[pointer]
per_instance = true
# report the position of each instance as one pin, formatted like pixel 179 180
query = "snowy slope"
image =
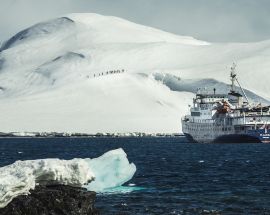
pixel 57 75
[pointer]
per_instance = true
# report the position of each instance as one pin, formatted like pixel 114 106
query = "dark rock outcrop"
pixel 53 200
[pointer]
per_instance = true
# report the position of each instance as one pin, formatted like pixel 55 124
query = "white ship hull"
pixel 213 132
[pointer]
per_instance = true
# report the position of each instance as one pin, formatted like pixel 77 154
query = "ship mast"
pixel 233 79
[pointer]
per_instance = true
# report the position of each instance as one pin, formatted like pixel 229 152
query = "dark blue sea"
pixel 173 176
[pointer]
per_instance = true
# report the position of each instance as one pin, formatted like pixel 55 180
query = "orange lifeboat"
pixel 224 108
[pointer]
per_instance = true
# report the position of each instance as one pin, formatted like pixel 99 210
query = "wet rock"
pixel 53 200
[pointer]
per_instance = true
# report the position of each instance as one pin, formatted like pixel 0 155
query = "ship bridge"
pixel 210 98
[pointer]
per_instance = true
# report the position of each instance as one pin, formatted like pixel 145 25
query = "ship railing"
pixel 251 120
pixel 192 120
pixel 252 116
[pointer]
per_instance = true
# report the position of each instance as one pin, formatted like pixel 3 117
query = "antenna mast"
pixel 233 79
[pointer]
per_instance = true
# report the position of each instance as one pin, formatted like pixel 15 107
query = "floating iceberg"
pixel 110 170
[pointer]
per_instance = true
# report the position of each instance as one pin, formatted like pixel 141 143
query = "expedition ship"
pixel 226 118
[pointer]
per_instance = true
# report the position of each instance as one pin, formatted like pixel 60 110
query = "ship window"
pixel 195 114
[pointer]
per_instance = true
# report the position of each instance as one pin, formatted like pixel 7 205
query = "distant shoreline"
pixel 85 135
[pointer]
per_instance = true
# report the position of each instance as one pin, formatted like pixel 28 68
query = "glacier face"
pixel 57 75
pixel 110 170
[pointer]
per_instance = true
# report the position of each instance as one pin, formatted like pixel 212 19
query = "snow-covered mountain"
pixel 93 73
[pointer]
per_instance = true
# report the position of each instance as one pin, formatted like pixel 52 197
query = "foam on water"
pixel 122 190
pixel 110 170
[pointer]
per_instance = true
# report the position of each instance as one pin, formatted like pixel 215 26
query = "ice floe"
pixel 110 170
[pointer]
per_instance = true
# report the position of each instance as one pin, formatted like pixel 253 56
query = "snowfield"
pixel 92 73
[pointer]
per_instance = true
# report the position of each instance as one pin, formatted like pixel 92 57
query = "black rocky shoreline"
pixel 53 200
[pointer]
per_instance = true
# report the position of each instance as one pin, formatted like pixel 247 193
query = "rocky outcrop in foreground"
pixel 53 200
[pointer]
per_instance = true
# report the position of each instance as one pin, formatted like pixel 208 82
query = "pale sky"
pixel 210 20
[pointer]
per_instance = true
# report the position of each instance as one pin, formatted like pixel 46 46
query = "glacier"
pixel 54 75
pixel 108 171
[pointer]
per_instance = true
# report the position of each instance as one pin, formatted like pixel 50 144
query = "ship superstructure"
pixel 226 117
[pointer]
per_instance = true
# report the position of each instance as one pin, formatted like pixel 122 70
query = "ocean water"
pixel 173 176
